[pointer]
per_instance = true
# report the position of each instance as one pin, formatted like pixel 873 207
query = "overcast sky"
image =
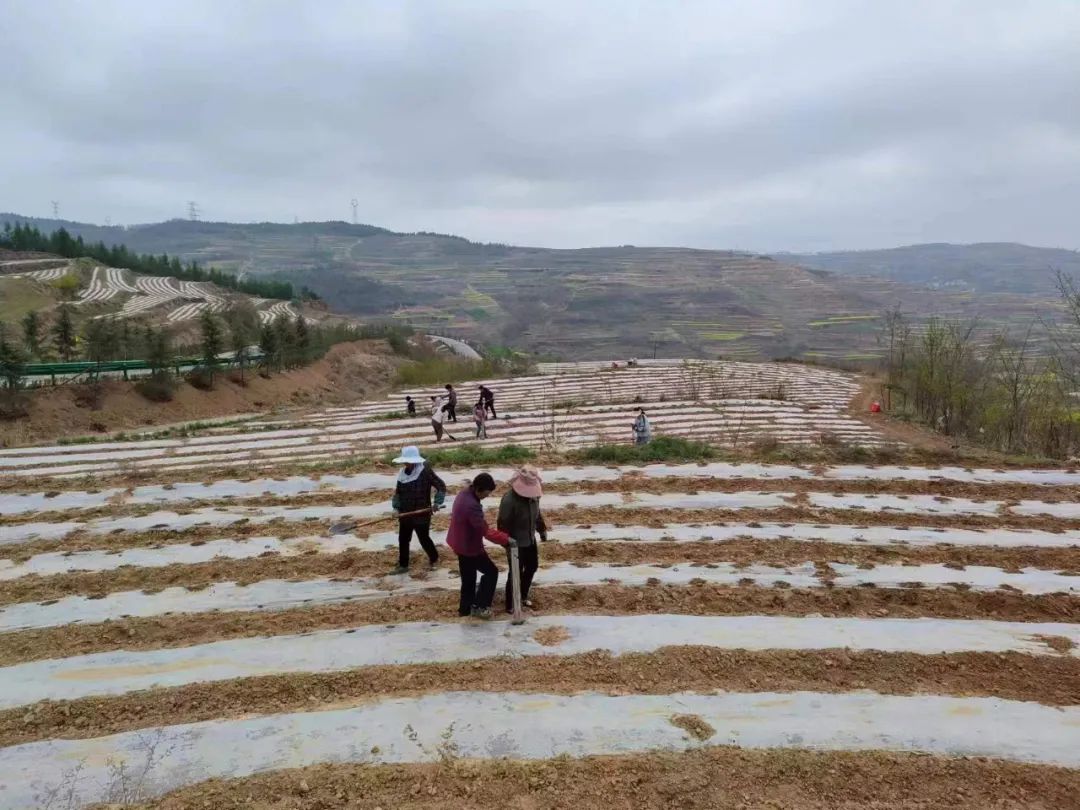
pixel 761 125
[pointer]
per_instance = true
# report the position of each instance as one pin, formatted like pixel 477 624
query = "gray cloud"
pixel 771 125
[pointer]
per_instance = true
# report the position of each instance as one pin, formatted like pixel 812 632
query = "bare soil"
pixel 609 599
pixel 348 372
pixel 716 778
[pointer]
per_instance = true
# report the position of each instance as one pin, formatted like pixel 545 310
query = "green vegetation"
pixel 61 243
pixel 441 370
pixel 471 455
pixel 19 296
pixel 662 448
pixel 721 335
pixel 1000 393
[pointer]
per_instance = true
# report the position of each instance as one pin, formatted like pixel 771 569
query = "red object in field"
pixel 875 407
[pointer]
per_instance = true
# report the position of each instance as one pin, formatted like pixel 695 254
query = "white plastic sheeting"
pixel 292 486
pixel 115 673
pixel 539 726
pixel 63 562
pixel 282 595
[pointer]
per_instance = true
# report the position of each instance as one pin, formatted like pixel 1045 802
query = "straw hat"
pixel 410 455
pixel 526 482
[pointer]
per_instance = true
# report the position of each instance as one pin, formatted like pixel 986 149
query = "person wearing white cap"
pixel 412 493
pixel 519 517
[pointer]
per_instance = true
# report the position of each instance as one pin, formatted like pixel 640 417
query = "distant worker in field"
pixel 438 416
pixel 468 530
pixel 451 402
pixel 487 399
pixel 519 517
pixel 413 505
pixel 480 417
pixel 642 428
pixel 410 406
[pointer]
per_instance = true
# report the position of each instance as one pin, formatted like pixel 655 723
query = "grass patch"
pixel 441 370
pixel 19 296
pixel 662 448
pixel 470 455
pixel 393 416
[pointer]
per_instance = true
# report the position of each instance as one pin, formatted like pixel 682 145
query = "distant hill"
pixel 982 267
pixel 579 304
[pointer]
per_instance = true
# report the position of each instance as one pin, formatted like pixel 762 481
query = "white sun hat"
pixel 410 455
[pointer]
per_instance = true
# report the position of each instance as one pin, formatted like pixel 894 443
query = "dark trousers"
pixel 489 406
pixel 438 428
pixel 528 562
pixel 404 539
pixel 451 411
pixel 471 596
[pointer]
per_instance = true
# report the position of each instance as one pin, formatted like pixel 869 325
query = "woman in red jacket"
pixel 468 530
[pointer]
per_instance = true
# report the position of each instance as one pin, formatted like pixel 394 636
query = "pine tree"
pixel 159 352
pixel 12 360
pixel 269 346
pixel 210 342
pixel 102 340
pixel 64 333
pixel 286 339
pixel 31 325
pixel 303 340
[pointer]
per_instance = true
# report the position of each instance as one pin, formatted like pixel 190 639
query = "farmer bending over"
pixel 468 530
pixel 412 504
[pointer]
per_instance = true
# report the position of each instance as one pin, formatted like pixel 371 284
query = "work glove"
pixel 543 537
pixel 513 543
pixel 396 512
pixel 440 499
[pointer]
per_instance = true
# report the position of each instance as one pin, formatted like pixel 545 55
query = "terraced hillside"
pixel 96 291
pixel 704 635
pixel 591 303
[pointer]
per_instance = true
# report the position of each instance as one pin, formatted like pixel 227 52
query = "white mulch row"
pixel 539 726
pixel 579 429
pixel 228 515
pixel 292 486
pixel 121 672
pixel 272 595
pixel 97 290
pixel 66 562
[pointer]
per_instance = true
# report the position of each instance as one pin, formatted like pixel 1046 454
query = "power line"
pixel 193 211
pixel 55 209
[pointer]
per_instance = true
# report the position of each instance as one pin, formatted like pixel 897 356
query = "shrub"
pixel 157 387
pixel 201 378
pixel 89 395
pixel 13 405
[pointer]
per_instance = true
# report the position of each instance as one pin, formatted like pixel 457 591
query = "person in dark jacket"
pixel 451 402
pixel 415 482
pixel 468 530
pixel 519 517
pixel 487 399
pixel 410 406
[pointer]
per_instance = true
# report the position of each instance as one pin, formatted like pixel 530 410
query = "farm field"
pixel 174 611
pixel 106 292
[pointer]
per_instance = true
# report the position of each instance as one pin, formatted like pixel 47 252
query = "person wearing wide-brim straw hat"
pixel 412 493
pixel 520 517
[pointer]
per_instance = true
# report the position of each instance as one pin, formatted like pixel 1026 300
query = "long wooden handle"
pixel 515 584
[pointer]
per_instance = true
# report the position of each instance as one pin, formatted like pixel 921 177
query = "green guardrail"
pixel 79 368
